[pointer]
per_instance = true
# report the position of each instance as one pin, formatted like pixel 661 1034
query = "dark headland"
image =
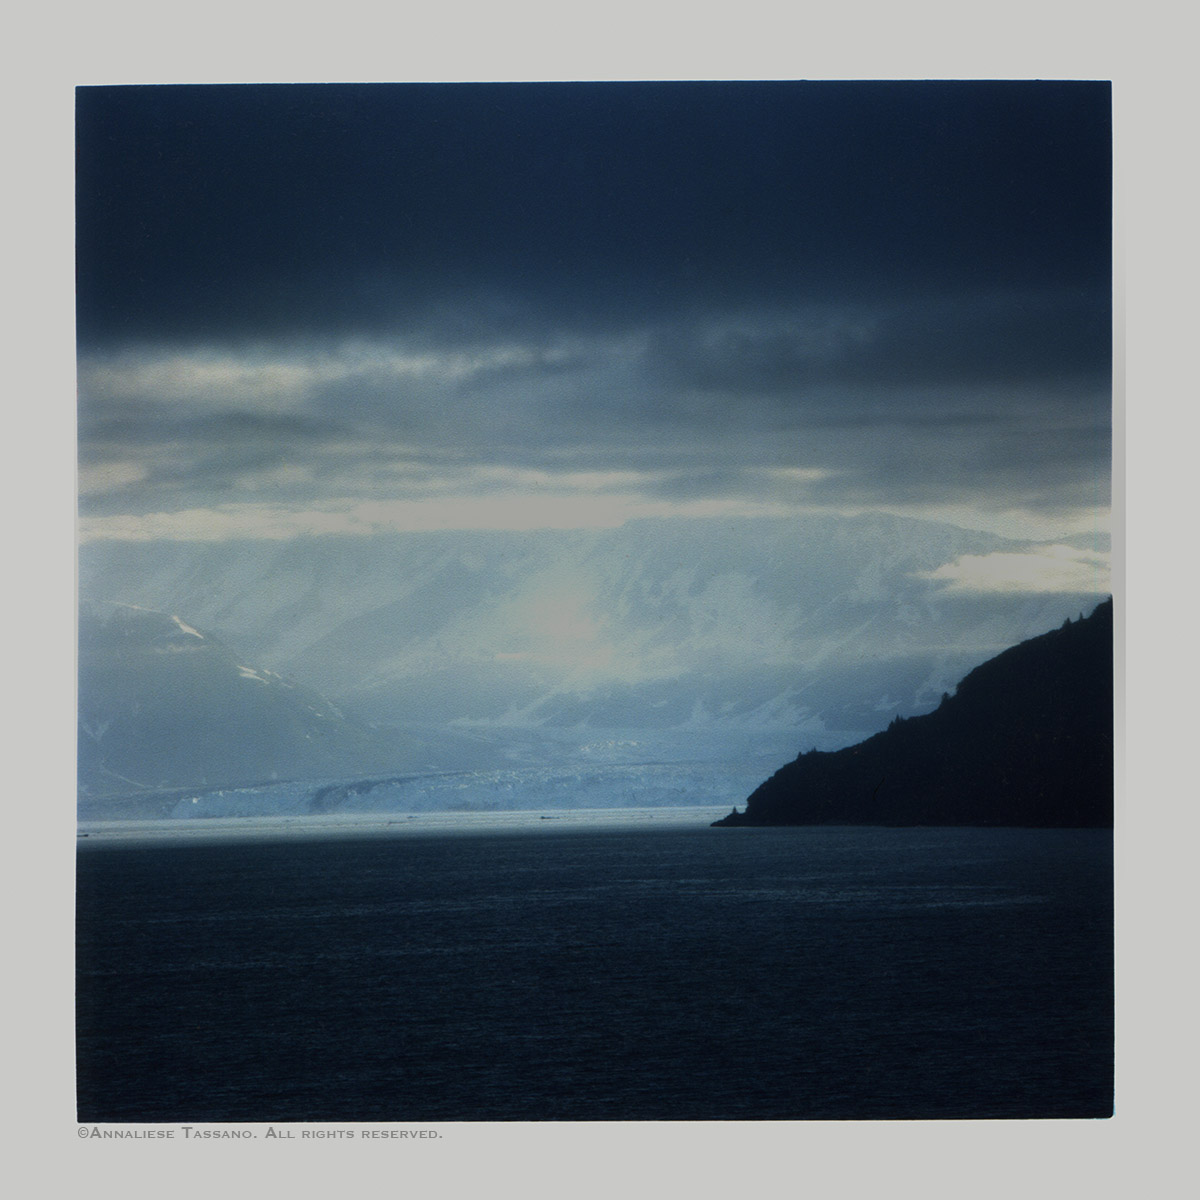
pixel 1026 740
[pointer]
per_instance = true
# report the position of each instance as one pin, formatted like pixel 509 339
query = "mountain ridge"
pixel 163 704
pixel 826 626
pixel 1026 739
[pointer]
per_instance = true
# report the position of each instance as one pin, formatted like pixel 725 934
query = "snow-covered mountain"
pixel 162 704
pixel 685 631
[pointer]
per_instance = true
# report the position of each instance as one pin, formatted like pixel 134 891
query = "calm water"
pixel 599 973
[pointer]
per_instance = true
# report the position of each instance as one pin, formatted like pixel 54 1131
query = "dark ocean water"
pixel 651 974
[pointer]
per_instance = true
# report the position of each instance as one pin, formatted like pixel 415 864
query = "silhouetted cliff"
pixel 1027 739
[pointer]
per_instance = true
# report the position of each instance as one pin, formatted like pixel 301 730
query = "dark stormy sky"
pixel 375 307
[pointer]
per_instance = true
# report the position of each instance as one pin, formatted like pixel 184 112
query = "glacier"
pixel 549 790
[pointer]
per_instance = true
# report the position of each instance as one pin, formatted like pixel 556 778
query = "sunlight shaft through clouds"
pixel 645 403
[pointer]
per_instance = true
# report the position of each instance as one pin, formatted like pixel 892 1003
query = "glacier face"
pixel 527 789
pixel 503 646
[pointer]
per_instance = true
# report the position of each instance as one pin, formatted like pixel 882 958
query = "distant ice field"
pixel 502 794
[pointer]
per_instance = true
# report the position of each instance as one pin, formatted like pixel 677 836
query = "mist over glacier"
pixel 735 640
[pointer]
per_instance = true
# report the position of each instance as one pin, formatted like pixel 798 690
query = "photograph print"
pixel 594 602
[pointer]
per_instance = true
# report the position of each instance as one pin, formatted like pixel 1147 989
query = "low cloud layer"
pixel 179 429
pixel 1044 569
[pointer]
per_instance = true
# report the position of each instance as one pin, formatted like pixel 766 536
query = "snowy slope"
pixel 826 627
pixel 162 703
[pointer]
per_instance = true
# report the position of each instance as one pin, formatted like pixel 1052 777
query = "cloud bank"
pixel 342 310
